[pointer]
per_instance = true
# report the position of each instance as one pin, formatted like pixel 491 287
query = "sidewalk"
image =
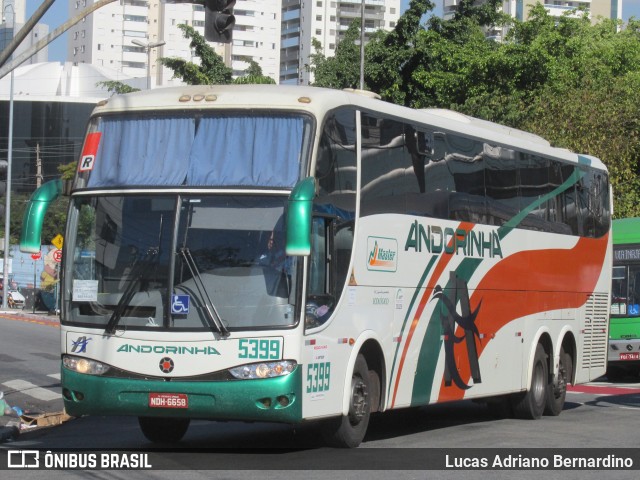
pixel 28 314
pixel 12 425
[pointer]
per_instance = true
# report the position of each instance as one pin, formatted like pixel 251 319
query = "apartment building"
pixel 326 21
pixel 274 33
pixel 118 36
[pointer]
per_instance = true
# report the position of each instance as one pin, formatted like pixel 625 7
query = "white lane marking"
pixel 54 375
pixel 32 390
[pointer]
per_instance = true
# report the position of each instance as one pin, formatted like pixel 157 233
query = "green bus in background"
pixel 624 329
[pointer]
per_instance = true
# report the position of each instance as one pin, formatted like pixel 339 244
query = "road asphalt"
pixel 11 425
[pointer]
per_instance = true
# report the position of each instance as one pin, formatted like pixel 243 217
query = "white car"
pixel 15 299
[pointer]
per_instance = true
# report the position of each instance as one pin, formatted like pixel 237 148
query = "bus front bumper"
pixel 277 399
pixel 626 351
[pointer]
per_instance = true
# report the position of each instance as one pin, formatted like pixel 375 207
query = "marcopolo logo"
pixel 166 365
pixel 383 254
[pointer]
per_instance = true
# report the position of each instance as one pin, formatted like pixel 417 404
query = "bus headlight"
pixel 263 370
pixel 84 365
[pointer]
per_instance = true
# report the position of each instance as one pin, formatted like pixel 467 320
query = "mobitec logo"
pixel 383 254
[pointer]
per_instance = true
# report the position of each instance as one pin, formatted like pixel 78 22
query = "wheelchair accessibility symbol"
pixel 180 304
pixel 634 309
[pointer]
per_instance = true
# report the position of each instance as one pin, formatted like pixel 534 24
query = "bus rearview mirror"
pixel 299 215
pixel 31 234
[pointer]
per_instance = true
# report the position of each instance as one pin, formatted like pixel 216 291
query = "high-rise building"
pixel 519 9
pixel 13 19
pixel 326 21
pixel 117 36
pixel 274 33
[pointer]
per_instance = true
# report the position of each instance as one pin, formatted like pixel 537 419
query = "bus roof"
pixel 626 230
pixel 317 101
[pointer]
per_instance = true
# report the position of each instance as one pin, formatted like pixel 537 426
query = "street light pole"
pixel 7 206
pixel 362 45
pixel 148 47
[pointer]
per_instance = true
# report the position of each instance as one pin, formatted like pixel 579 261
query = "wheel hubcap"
pixel 561 387
pixel 359 401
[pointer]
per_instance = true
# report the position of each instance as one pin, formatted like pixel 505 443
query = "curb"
pixel 34 317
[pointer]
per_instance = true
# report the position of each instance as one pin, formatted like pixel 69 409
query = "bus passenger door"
pixel 324 358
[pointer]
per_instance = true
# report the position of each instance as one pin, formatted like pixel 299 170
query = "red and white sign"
pixel 88 157
pixel 168 400
pixel 36 256
pixel 57 255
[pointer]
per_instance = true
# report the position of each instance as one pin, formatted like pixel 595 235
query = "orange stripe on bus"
pixel 544 288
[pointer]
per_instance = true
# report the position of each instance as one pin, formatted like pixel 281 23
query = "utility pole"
pixel 38 166
pixel 7 205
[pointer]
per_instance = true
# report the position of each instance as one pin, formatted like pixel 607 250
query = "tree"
pixel 389 58
pixel 343 69
pixel 253 75
pixel 116 88
pixel 211 69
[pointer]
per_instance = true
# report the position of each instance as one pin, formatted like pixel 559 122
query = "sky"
pixel 58 13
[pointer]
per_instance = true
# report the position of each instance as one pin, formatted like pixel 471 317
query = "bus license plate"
pixel 168 400
pixel 630 356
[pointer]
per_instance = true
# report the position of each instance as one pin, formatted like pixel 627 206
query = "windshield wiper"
pixel 137 274
pixel 212 315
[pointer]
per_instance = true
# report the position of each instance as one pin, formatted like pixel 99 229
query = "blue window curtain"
pixel 224 151
pixel 246 151
pixel 142 152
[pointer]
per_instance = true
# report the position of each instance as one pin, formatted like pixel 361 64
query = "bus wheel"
pixel 530 405
pixel 163 430
pixel 557 392
pixel 348 431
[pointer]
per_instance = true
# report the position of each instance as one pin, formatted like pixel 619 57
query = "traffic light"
pixel 219 20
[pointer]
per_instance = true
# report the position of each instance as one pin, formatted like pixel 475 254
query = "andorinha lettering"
pixel 435 239
pixel 168 349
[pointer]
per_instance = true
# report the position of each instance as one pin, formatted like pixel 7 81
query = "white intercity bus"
pixel 293 254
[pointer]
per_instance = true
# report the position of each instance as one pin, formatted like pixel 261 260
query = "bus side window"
pixel 320 299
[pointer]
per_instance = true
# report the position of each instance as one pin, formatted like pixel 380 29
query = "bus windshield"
pixel 191 261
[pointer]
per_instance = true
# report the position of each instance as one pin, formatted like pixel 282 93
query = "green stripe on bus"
pixel 416 294
pixel 432 342
pixel 515 221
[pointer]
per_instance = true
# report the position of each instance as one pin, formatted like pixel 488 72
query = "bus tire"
pixel 163 430
pixel 349 431
pixel 530 404
pixel 556 393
